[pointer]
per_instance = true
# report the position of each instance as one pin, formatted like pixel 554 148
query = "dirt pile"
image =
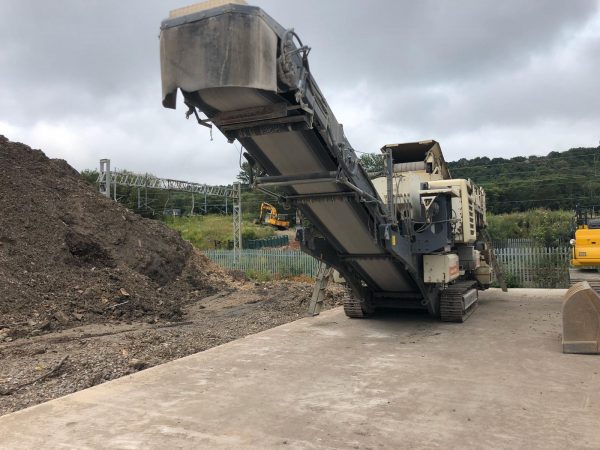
pixel 69 255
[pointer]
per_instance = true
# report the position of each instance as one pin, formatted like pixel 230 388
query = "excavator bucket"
pixel 581 319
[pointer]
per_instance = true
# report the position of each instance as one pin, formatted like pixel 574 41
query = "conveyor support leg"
pixel 318 295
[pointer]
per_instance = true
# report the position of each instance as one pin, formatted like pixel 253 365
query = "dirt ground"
pixel 77 358
pixel 396 381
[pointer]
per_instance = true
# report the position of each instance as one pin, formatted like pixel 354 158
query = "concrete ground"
pixel 497 381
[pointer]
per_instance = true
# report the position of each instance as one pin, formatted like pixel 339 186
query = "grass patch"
pixel 203 231
pixel 259 275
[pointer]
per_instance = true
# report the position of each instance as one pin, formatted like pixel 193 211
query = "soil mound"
pixel 70 255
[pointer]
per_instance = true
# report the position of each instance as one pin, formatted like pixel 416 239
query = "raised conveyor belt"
pixel 250 77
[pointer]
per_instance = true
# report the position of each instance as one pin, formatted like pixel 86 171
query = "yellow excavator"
pixel 585 254
pixel 581 307
pixel 268 216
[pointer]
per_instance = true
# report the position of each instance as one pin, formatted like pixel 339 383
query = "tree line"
pixel 559 180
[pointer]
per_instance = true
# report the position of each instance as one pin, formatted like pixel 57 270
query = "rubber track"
pixel 353 307
pixel 451 302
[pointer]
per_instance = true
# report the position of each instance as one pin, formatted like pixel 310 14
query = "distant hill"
pixel 559 180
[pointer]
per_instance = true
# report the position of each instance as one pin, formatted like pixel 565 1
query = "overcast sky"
pixel 81 81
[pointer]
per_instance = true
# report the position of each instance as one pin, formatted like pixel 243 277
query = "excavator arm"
pixel 264 209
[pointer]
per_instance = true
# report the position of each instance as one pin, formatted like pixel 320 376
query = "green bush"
pixel 547 228
pixel 510 280
pixel 259 275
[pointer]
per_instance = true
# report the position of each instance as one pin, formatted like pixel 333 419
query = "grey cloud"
pixel 97 45
pixel 428 41
pixel 72 57
pixel 81 79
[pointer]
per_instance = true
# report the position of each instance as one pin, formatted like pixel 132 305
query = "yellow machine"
pixel 268 216
pixel 586 245
pixel 581 307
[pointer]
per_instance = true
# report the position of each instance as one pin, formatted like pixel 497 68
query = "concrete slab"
pixel 497 381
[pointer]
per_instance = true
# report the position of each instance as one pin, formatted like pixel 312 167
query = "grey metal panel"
pixel 232 98
pixel 386 275
pixel 290 154
pixel 341 220
pixel 230 60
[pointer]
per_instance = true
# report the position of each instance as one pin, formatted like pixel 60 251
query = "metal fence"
pixel 283 262
pixel 527 243
pixel 535 267
pixel 512 243
pixel 523 266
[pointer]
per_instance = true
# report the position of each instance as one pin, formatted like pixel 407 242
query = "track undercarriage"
pixel 457 303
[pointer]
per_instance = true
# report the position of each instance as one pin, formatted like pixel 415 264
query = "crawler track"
pixel 452 307
pixel 353 307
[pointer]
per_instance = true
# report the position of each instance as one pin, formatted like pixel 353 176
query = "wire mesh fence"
pixel 283 262
pixel 523 265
